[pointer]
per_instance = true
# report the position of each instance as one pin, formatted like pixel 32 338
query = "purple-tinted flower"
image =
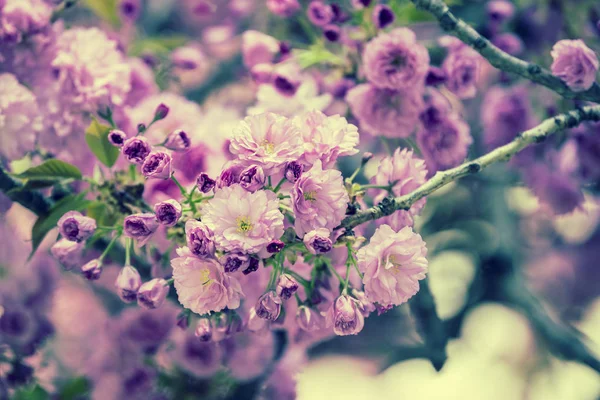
pixel 588 154
pixel 319 13
pixel 188 58
pixel 383 16
pixel 205 183
pixel 242 221
pixel 435 76
pixel 462 65
pixel 262 73
pixel 286 286
pixel 203 330
pixel 283 8
pixel 161 112
pixel 392 264
pixel 22 19
pixel 178 140
pixel 117 137
pixel 258 48
pixel 153 293
pixel 500 10
pixel 293 171
pixel 203 286
pixel 256 323
pixel 319 199
pixel 130 10
pixel 168 212
pixel 318 241
pixel 557 192
pixel 75 227
pixel 437 108
pixel 407 172
pixel 230 175
pixel 183 321
pixel 92 269
pixel 275 246
pixel 157 165
pixel 509 43
pixel 386 112
pixel 574 63
pixel 445 145
pixel 231 262
pixel 395 60
pixel 360 4
pixel 332 32
pixel 253 264
pixel 140 227
pixel 136 149
pixel 252 178
pixel 284 84
pixel 345 315
pixel 128 282
pixel 200 239
pixel 67 252
pixel 308 319
pixel 268 306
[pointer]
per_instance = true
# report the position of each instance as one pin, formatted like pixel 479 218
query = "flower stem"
pixel 110 245
pixel 128 247
pixel 181 188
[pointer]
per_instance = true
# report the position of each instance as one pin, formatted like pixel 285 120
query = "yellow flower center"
pixel 310 196
pixel 243 224
pixel 268 146
pixel 395 265
pixel 205 277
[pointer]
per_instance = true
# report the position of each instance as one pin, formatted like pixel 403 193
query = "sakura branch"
pixel 500 59
pixel 504 153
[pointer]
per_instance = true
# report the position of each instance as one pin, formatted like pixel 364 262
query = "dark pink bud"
pixel 157 165
pixel 161 112
pixel 205 183
pixel 293 171
pixel 383 16
pixel 203 330
pixel 318 241
pixel 136 149
pixel 117 138
pixel 67 252
pixel 275 246
pixel 345 315
pixel 286 286
pixel 140 227
pixel 229 176
pixel 128 282
pixel 285 86
pixel 332 33
pixel 253 265
pixel 199 239
pixel 252 178
pixel 168 212
pixel 152 294
pixel 183 320
pixel 75 227
pixel 308 319
pixel 435 76
pixel 92 270
pixel 130 10
pixel 178 140
pixel 319 13
pixel 269 306
pixel 233 261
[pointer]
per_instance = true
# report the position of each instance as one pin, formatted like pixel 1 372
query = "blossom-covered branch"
pixel 500 59
pixel 535 135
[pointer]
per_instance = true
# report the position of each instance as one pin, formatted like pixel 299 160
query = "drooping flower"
pixel 136 149
pixel 345 316
pixel 168 212
pixel 446 144
pixel 575 63
pixel 140 227
pixel 202 285
pixel 395 60
pixel 293 170
pixel 283 8
pixel 178 140
pixel 326 138
pixel 92 270
pixel 252 178
pixel 319 13
pixel 258 48
pixel 317 241
pixel 308 319
pixel 203 330
pixel 386 112
pixel 286 286
pixel 268 306
pixel 243 221
pixel 462 65
pixel 153 293
pixel 267 140
pixel 117 137
pixel 392 264
pixel 157 165
pixel 75 227
pixel 20 122
pixel 319 199
pixel 408 172
pixel 383 16
pixel 205 183
pixel 200 239
pixel 128 282
pixel 67 252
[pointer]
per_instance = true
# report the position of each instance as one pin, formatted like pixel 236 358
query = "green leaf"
pixel 96 136
pixel 45 223
pixel 76 388
pixel 51 170
pixel 105 9
pixel 31 393
pixel 158 45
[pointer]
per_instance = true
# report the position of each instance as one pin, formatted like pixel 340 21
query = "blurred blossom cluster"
pixel 259 199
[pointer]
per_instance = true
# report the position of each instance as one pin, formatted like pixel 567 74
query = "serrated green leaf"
pixel 45 223
pixel 51 170
pixel 96 137
pixel 105 9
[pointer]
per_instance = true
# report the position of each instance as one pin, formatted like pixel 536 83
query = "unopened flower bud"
pixel 136 149
pixel 435 76
pixel 205 183
pixel 140 227
pixel 268 306
pixel 200 239
pixel 255 323
pixel 293 171
pixel 67 252
pixel 285 85
pixel 252 178
pixel 318 241
pixel 275 246
pixel 183 320
pixel 383 16
pixel 141 128
pixel 117 137
pixel 203 330
pixel 308 319
pixel 128 282
pixel 157 165
pixel 92 269
pixel 130 10
pixel 345 315
pixel 235 325
pixel 286 286
pixel 231 262
pixel 153 293
pixel 168 212
pixel 161 112
pixel 253 265
pixel 75 227
pixel 178 140
pixel 332 33
pixel 319 13
pixel 229 175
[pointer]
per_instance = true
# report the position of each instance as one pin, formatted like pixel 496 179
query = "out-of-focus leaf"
pixel 157 45
pixel 76 388
pixel 101 213
pixel 315 55
pixel 96 137
pixel 51 170
pixel 45 223
pixel 105 9
pixel 33 393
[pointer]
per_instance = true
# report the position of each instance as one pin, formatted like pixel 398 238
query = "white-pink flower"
pixel 392 264
pixel 326 137
pixel 574 63
pixel 319 199
pixel 242 221
pixel 268 140
pixel 407 172
pixel 202 285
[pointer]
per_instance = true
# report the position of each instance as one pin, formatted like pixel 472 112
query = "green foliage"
pixel 317 54
pixel 74 389
pixel 104 9
pixel 157 45
pixel 45 223
pixel 96 137
pixel 31 393
pixel 51 170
